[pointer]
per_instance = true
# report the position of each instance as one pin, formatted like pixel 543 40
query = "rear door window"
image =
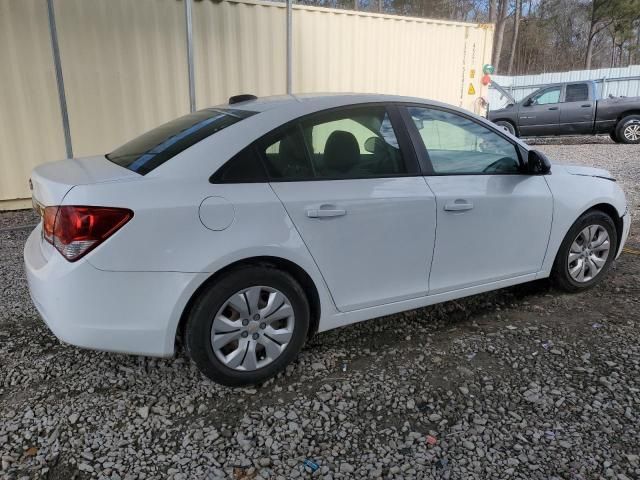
pixel 155 147
pixel 355 143
pixel 349 143
pixel 577 92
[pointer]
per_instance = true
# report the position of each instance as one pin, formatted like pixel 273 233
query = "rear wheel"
pixel 248 326
pixel 628 129
pixel 586 252
pixel 508 125
pixel 613 136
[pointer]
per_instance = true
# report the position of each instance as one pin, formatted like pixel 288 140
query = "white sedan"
pixel 247 228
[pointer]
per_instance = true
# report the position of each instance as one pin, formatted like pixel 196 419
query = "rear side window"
pixel 343 144
pixel 244 167
pixel 286 156
pixel 577 92
pixel 157 146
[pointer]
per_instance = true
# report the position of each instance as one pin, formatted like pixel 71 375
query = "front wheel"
pixel 628 129
pixel 247 326
pixel 586 252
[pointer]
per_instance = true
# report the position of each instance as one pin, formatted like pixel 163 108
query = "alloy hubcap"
pixel 632 132
pixel 252 328
pixel 588 253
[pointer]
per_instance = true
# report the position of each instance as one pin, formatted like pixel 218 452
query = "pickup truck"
pixel 571 108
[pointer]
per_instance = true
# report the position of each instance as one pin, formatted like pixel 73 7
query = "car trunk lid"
pixel 51 182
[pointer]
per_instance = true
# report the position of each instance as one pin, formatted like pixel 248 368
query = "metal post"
pixel 188 17
pixel 289 46
pixel 59 80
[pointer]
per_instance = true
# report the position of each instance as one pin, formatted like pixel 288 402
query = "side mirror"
pixel 538 163
pixel 528 102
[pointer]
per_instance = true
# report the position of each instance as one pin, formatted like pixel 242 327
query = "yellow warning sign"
pixel 472 91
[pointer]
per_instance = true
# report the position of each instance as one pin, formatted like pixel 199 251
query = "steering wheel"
pixel 494 167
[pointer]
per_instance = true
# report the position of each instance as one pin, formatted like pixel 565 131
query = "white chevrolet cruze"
pixel 248 227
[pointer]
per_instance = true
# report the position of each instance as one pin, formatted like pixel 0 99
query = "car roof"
pixel 318 101
pixel 274 112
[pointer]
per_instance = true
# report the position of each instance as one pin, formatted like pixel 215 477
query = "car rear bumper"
pixel 127 312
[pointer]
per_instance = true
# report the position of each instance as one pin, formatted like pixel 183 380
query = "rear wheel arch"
pixel 278 263
pixel 630 119
pixel 626 114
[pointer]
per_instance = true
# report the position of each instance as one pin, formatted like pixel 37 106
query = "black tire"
pixel 508 125
pixel 197 336
pixel 560 274
pixel 613 136
pixel 630 121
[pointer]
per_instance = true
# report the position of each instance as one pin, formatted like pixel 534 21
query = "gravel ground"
pixel 525 382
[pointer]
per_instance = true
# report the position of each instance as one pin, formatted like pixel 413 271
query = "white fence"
pixel 610 81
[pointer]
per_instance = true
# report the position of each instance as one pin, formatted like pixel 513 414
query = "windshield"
pixel 155 147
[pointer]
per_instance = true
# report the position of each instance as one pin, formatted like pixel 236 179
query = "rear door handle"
pixel 553 108
pixel 326 211
pixel 458 206
pixel 586 105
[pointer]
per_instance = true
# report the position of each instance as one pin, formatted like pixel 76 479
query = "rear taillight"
pixel 74 231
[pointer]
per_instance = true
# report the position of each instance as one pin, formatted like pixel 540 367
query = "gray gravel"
pixel 525 382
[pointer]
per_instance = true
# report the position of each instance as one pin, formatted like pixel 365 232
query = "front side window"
pixel 157 146
pixel 458 145
pixel 577 92
pixel 342 144
pixel 545 97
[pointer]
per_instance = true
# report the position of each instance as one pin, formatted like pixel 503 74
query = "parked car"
pixel 570 109
pixel 247 228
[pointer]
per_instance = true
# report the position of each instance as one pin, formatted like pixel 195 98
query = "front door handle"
pixel 553 108
pixel 586 105
pixel 458 206
pixel 326 211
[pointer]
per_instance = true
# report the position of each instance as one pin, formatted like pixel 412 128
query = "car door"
pixel 577 110
pixel 540 113
pixel 493 221
pixel 355 193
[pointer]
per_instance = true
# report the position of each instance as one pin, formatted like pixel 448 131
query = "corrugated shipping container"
pixel 125 68
pixel 30 126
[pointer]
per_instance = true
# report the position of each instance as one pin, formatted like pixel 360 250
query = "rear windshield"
pixel 152 149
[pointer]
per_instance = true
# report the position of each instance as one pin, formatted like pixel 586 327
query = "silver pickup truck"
pixel 571 108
